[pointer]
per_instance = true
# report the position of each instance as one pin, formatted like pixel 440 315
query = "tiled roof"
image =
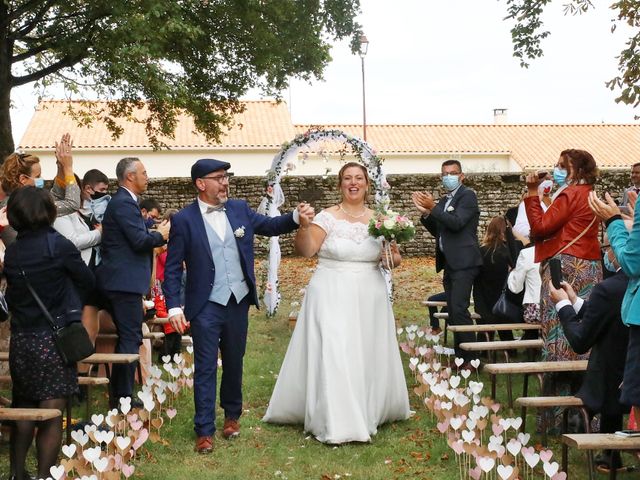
pixel 263 124
pixel 267 124
pixel 531 146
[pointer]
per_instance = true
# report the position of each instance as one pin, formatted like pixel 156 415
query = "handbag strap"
pixel 575 239
pixel 39 302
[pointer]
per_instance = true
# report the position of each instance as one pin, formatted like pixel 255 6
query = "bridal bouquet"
pixel 392 226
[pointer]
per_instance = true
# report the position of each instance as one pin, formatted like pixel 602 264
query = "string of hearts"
pixel 487 445
pixel 106 448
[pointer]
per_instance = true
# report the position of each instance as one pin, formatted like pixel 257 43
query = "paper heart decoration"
pixel 550 468
pixel 189 382
pixel 149 405
pixel 90 428
pixel 166 358
pixel 559 476
pixel 496 429
pixel 532 459
pixel 524 438
pixel 456 423
pixel 486 464
pixel 171 412
pixel 57 472
pixel 157 422
pixel 144 415
pixel 475 473
pixel 91 454
pixel 80 437
pixel 442 426
pixel 475 363
pixel 481 424
pixel 465 373
pixel 89 477
pixel 458 361
pixel 69 450
pixel 142 437
pixel 123 442
pixel 496 439
pixel 545 455
pixel 97 419
pixel 423 350
pixel 125 405
pixel 137 425
pixel 470 423
pixel 468 435
pixel 161 398
pixel 516 423
pixel 423 367
pixel 420 333
pixel 505 471
pixel 457 446
pixel 514 447
pixel 461 400
pixel 127 470
pixel 454 381
pixel 177 358
pixel 190 349
pixel 101 464
pixel 475 387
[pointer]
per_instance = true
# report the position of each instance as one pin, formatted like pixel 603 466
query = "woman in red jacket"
pixel 568 230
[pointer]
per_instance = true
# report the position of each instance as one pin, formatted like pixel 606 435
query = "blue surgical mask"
pixel 559 176
pixel 451 182
pixel 608 264
pixel 39 182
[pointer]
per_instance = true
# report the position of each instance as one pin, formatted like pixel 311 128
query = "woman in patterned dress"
pixel 568 230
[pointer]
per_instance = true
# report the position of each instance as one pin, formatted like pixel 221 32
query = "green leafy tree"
pixel 198 56
pixel 528 34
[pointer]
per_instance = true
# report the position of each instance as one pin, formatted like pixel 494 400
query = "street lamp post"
pixel 364 46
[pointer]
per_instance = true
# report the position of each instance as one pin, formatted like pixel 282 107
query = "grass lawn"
pixel 403 450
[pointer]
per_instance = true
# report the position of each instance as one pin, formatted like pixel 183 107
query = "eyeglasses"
pixel 220 178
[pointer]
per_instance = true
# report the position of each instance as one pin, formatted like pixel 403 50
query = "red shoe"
pixel 231 428
pixel 204 445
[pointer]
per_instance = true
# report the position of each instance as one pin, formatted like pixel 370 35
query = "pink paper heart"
pixel 475 473
pixel 527 451
pixel 118 461
pixel 495 407
pixel 497 429
pixel 171 412
pixel 443 426
pixel 142 437
pixel 132 417
pixel 545 455
pixel 189 382
pixel 137 425
pixel 559 476
pixel 458 447
pixel 127 470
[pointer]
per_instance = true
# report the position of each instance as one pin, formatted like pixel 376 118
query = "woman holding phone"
pixel 566 232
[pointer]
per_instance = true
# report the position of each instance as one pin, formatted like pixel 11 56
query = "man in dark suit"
pixel 124 273
pixel 596 324
pixel 213 237
pixel 453 221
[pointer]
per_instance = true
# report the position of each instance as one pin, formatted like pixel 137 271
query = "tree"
pixel 198 56
pixel 528 33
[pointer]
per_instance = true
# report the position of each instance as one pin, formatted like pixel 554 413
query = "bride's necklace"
pixel 342 209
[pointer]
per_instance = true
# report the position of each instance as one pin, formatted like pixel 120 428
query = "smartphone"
pixel 628 433
pixel 542 175
pixel 624 210
pixel 555 266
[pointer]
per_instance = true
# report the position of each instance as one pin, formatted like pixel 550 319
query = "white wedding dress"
pixel 342 375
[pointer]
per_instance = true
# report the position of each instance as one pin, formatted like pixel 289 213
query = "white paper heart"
pixel 69 450
pixel 505 471
pixel 57 472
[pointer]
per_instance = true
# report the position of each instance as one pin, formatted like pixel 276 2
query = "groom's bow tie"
pixel 216 208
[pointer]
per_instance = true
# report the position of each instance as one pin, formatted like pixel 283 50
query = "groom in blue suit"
pixel 213 238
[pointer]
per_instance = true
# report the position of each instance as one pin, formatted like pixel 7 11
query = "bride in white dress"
pixel 342 375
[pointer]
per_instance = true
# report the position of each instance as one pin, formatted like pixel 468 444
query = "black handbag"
pixel 69 335
pixel 508 307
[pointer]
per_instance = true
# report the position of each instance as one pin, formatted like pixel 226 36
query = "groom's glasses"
pixel 220 178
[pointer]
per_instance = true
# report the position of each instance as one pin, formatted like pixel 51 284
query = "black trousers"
pixel 457 286
pixel 438 297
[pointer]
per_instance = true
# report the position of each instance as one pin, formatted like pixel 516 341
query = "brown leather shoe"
pixel 231 428
pixel 204 445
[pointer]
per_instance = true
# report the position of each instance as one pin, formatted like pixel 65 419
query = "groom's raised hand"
pixel 179 322
pixel 306 213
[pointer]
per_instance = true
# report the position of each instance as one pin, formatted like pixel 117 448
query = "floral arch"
pixel 284 161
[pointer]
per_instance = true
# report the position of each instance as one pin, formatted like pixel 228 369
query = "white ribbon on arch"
pixel 274 197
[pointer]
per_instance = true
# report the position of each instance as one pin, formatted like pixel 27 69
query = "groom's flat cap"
pixel 205 166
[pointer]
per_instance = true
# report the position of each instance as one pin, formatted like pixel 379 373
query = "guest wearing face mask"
pixel 23 169
pixel 453 221
pixel 568 230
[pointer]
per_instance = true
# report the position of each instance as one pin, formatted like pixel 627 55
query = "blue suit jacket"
pixel 127 246
pixel 188 243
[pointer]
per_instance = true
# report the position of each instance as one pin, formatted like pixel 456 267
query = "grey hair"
pixel 126 165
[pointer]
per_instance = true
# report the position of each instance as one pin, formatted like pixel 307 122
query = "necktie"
pixel 215 208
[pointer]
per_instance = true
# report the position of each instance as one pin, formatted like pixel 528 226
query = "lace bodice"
pixel 347 241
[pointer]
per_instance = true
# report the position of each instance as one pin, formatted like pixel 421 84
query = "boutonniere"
pixel 239 232
pixel 450 208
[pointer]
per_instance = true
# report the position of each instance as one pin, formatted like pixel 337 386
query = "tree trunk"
pixel 6 52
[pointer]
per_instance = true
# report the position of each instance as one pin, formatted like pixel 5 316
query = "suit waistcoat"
pixel 229 277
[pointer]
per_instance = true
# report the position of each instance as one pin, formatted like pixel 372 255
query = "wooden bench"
pixel 158 321
pixel 566 403
pixel 187 340
pixel 494 327
pixel 599 441
pixel 501 346
pixel 526 369
pixel 145 336
pixel 31 414
pixel 445 316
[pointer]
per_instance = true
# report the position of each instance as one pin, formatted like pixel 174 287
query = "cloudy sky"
pixel 451 62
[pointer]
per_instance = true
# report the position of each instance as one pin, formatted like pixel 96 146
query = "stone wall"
pixel 496 193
